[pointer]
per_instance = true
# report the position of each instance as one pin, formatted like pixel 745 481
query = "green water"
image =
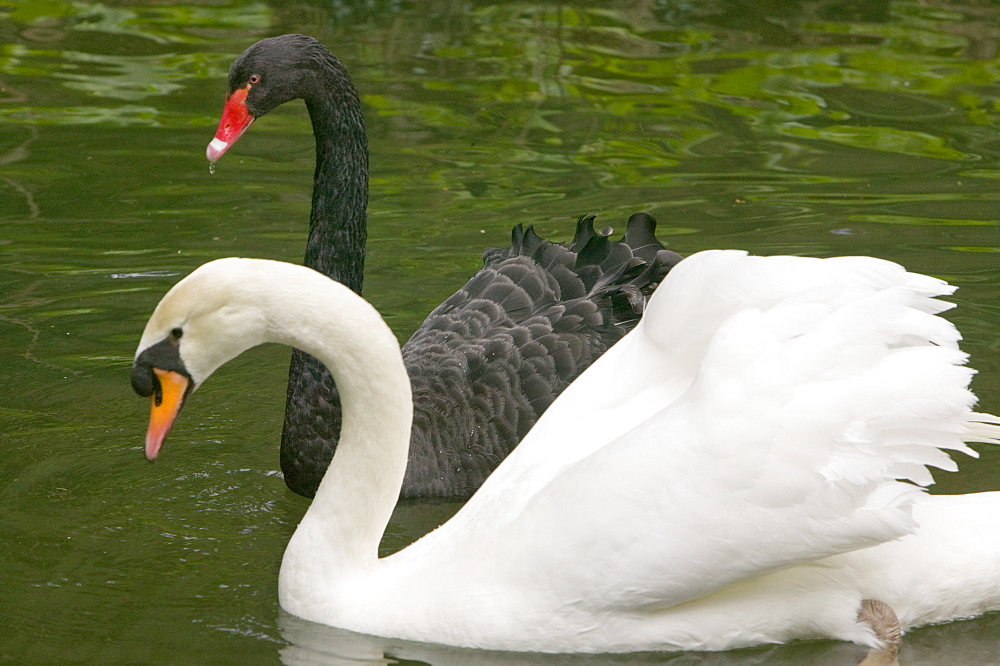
pixel 821 128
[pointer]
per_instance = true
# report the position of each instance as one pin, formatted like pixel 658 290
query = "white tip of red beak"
pixel 216 149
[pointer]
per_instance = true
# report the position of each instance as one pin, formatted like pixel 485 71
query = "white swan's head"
pixel 211 316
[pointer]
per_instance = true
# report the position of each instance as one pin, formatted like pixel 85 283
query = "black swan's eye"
pixel 176 333
pixel 254 79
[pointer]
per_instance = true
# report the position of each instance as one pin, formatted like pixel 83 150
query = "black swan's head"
pixel 274 71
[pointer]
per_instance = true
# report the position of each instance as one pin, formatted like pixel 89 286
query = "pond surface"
pixel 820 128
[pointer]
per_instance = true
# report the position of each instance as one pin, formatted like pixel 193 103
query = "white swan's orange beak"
pixel 165 405
pixel 236 118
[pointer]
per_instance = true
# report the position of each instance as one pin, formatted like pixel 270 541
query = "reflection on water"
pixel 309 643
pixel 812 127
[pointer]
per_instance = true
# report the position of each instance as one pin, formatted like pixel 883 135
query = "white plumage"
pixel 739 469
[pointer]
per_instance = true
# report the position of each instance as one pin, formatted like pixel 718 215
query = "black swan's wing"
pixel 489 360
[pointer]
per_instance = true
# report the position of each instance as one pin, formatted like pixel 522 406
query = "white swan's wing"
pixel 758 417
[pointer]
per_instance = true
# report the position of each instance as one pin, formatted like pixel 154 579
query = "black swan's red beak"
pixel 236 118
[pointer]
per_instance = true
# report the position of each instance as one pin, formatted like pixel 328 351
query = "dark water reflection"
pixel 819 128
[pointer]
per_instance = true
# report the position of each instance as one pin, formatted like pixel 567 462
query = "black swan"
pixel 489 360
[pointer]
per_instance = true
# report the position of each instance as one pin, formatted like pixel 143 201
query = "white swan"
pixel 738 470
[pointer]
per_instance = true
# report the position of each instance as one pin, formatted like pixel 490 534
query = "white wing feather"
pixel 761 415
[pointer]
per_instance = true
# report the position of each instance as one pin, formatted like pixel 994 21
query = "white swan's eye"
pixel 176 333
pixel 254 79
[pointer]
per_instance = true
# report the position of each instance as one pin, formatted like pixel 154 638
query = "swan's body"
pixel 486 362
pixel 733 472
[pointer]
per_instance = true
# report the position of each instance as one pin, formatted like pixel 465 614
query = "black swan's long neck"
pixel 336 248
pixel 338 221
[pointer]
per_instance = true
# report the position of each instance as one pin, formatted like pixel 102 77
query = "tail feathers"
pixel 640 235
pixel 623 272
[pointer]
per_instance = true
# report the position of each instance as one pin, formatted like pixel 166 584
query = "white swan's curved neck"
pixel 345 522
